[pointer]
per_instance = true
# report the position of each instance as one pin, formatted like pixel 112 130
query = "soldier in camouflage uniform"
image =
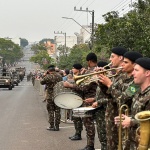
pixel 140 101
pixel 99 112
pixel 50 79
pixel 77 120
pixel 121 90
pixel 89 91
pixel 116 59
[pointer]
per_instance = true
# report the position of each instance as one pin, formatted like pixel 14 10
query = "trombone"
pixel 87 78
pixel 126 133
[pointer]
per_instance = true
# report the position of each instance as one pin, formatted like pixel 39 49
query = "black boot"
pixel 56 128
pixel 76 137
pixel 88 148
pixel 71 136
pixel 51 128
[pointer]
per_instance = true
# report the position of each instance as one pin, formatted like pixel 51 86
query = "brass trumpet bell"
pixel 144 129
pixel 88 78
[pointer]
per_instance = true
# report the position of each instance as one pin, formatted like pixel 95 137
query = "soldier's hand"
pixel 89 100
pixel 105 80
pixel 67 84
pixel 126 121
pixel 95 104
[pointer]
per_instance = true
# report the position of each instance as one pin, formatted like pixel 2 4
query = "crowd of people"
pixel 105 91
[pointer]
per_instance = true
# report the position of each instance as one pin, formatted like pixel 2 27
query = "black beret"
pixel 143 62
pixel 119 50
pixel 77 66
pixel 51 67
pixel 102 63
pixel 132 55
pixel 91 56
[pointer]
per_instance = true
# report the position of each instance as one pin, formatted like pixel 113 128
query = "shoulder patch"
pixel 132 89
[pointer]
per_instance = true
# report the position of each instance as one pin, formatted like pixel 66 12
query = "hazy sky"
pixel 38 19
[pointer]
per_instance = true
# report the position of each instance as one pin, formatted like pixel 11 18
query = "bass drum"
pixel 65 97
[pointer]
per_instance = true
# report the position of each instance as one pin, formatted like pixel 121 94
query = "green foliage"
pixel 77 55
pixel 38 47
pixel 43 59
pixel 23 42
pixel 131 31
pixel 9 51
pixel 45 40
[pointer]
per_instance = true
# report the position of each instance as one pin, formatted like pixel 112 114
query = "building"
pixel 14 40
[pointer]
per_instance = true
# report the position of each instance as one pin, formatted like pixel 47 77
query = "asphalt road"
pixel 23 121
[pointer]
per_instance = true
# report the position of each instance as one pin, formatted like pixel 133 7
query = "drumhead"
pixel 68 100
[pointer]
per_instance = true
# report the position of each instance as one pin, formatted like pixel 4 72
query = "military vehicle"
pixel 21 71
pixel 16 79
pixel 6 79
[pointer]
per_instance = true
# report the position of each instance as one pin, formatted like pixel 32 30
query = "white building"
pixel 70 40
pixel 14 40
pixel 85 33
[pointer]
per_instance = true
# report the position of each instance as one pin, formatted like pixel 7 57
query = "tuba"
pixel 144 129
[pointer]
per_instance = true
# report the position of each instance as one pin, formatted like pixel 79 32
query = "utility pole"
pixel 64 33
pixel 90 11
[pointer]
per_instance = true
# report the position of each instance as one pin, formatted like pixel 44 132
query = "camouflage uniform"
pixel 51 80
pixel 124 95
pixel 141 102
pixel 89 91
pixel 111 112
pixel 99 115
pixel 78 125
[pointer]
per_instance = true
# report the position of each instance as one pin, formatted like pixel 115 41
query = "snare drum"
pixel 65 97
pixel 82 112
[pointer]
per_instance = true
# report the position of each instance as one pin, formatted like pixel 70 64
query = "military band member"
pixel 89 91
pixel 50 79
pixel 124 89
pixel 140 101
pixel 121 90
pixel 116 59
pixel 99 112
pixel 76 70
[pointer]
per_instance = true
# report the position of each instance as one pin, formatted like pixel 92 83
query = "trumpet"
pixel 126 133
pixel 88 78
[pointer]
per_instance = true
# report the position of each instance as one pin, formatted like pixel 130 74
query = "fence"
pixel 66 115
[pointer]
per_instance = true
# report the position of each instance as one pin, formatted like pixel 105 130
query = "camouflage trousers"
pixel 131 143
pixel 101 127
pixel 111 128
pixel 53 112
pixel 90 130
pixel 78 124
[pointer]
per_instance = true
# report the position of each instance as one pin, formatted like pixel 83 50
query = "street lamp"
pixel 77 23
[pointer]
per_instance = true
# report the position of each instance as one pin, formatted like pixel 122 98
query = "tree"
pixel 131 31
pixel 10 51
pixel 23 42
pixel 43 59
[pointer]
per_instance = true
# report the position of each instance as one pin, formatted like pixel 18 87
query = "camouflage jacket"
pixel 141 102
pixel 109 98
pixel 88 90
pixel 101 93
pixel 51 80
pixel 123 90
